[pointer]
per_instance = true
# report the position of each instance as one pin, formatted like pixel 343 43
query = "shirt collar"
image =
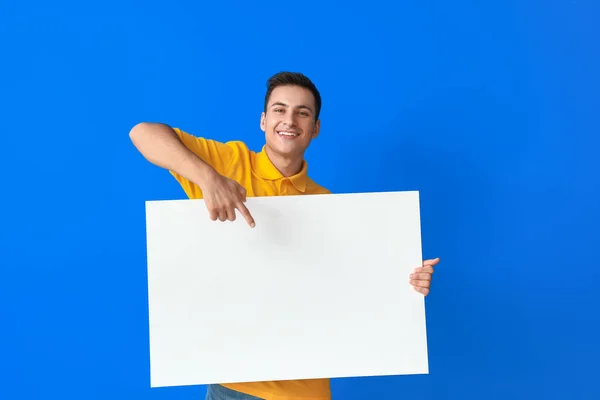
pixel 266 170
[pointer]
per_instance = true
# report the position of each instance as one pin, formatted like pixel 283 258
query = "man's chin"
pixel 285 150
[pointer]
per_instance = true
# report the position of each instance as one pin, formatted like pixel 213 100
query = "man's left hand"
pixel 421 277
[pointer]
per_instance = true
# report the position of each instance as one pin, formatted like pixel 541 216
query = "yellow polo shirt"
pixel 255 172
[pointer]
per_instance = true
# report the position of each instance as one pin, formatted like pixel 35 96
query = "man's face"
pixel 289 123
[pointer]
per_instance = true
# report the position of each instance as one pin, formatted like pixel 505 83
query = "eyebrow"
pixel 278 103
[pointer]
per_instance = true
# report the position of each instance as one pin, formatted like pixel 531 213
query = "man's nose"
pixel 290 119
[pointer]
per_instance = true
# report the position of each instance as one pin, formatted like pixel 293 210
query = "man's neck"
pixel 285 165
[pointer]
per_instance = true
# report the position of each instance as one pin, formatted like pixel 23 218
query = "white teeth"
pixel 288 133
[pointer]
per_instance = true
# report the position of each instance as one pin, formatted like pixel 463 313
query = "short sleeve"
pixel 218 155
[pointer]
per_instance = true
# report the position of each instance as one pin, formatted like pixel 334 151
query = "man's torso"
pixel 259 177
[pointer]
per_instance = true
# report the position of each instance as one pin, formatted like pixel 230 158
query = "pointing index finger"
pixel 249 219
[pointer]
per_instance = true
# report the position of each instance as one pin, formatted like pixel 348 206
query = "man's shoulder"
pixel 207 144
pixel 238 144
pixel 242 153
pixel 233 143
pixel 313 187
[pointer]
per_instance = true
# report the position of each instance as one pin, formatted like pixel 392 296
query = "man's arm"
pixel 161 146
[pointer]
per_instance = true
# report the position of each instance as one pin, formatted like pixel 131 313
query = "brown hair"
pixel 296 79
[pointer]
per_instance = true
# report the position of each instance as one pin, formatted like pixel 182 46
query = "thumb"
pixel 432 262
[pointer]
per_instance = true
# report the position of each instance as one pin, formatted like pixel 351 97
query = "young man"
pixel 225 174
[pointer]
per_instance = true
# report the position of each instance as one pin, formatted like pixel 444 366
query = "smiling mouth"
pixel 288 134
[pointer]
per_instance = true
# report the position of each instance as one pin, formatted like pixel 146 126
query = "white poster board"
pixel 318 289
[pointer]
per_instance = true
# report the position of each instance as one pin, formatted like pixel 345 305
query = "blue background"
pixel 490 109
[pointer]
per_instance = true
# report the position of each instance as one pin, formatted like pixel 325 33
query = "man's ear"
pixel 263 122
pixel 317 129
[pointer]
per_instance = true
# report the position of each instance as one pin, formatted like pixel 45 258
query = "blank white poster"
pixel 318 289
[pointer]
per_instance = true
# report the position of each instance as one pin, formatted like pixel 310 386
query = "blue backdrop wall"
pixel 490 109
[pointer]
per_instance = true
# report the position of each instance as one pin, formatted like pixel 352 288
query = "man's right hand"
pixel 160 145
pixel 222 196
